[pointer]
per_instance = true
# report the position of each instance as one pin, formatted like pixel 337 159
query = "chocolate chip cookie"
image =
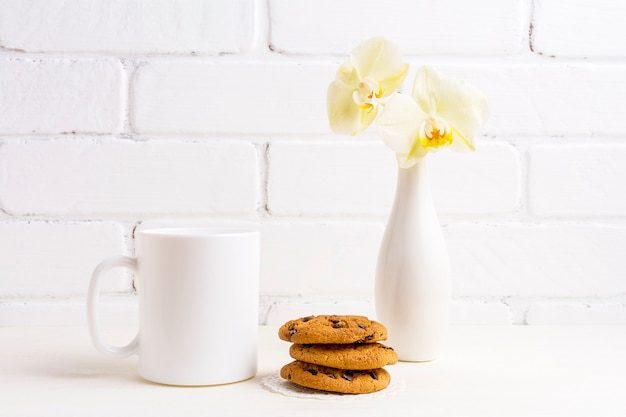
pixel 332 330
pixel 355 356
pixel 335 380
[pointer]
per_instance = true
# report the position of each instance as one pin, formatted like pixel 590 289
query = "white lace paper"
pixel 281 386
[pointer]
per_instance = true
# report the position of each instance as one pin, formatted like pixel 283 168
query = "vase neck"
pixel 413 205
pixel 414 178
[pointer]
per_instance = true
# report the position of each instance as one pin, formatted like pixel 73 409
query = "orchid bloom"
pixel 441 112
pixel 374 71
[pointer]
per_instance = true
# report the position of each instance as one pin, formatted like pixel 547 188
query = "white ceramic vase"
pixel 413 271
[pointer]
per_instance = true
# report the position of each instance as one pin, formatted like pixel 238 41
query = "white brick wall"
pixel 113 177
pixel 248 98
pixel 516 259
pixel 578 180
pixel 41 258
pixel 42 95
pixel 119 113
pixel 127 27
pixel 581 28
pixel 458 27
pixel 550 97
pixel 317 178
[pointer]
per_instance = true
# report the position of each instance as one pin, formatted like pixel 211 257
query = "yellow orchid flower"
pixel 441 112
pixel 374 71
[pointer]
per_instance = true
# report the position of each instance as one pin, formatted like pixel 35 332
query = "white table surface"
pixel 485 371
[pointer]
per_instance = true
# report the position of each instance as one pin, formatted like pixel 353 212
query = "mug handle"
pixel 93 317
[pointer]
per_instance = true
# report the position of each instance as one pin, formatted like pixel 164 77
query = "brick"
pixel 462 311
pixel 127 27
pixel 123 177
pixel 568 260
pixel 201 97
pixel 556 312
pixel 319 259
pixel 484 182
pixel 340 178
pixel 54 258
pixel 61 96
pixel 579 28
pixel 114 309
pixel 556 99
pixel 467 311
pixel 577 180
pixel 326 178
pixel 283 310
pixel 418 27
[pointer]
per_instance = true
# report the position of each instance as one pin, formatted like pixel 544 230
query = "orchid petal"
pixel 381 60
pixel 462 105
pixel 362 84
pixel 392 83
pixel 466 113
pixel 377 58
pixel 348 74
pixel 426 89
pixel 398 126
pixel 344 115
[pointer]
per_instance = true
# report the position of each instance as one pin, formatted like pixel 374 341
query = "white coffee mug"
pixel 198 305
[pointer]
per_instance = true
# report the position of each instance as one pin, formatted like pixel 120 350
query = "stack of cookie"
pixel 337 353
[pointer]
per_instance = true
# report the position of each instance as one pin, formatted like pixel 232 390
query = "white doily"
pixel 281 386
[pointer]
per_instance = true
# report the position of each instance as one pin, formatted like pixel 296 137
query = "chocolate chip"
pixel 307 318
pixel 361 325
pixel 331 376
pixel 366 339
pixel 373 375
pixel 312 371
pixel 347 375
pixel 336 324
